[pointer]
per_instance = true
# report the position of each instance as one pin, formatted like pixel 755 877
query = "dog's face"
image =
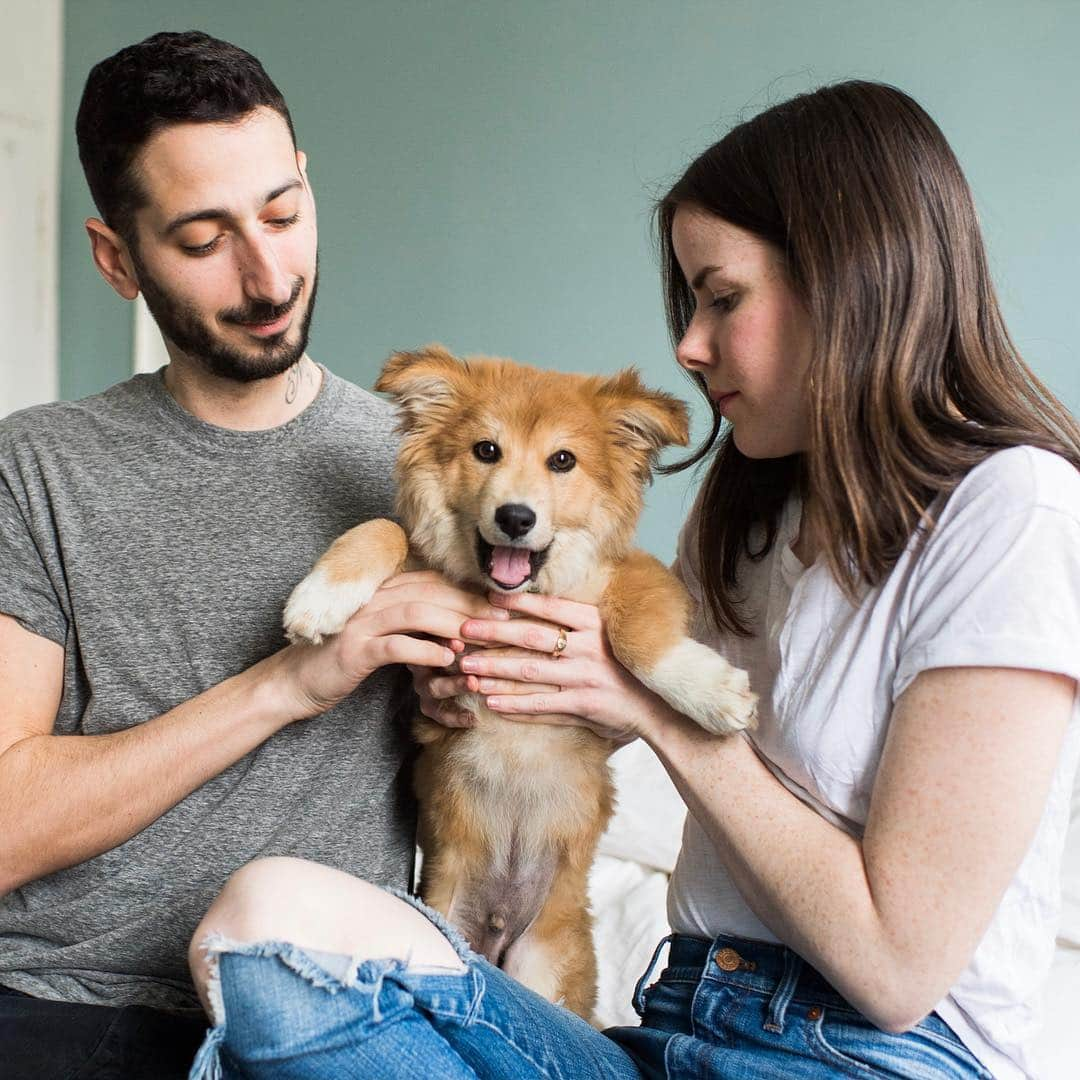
pixel 515 479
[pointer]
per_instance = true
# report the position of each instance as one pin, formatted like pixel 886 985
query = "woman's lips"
pixel 721 401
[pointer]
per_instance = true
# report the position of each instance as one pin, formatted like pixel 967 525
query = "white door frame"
pixel 148 351
pixel 31 108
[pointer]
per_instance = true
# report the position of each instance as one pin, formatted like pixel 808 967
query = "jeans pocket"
pixel 855 1047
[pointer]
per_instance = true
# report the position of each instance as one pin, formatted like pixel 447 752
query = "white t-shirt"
pixel 996 584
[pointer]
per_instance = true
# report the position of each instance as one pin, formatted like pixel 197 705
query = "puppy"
pixel 515 479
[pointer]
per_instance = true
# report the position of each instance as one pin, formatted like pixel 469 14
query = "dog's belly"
pixel 536 795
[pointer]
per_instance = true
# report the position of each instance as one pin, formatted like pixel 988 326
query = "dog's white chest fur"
pixel 524 771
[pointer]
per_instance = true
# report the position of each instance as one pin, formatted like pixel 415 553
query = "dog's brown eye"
pixel 561 461
pixel 487 451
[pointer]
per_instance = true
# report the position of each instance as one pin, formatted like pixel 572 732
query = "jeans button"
pixel 728 960
pixel 813 1013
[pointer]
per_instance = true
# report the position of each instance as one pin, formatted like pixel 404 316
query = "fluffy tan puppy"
pixel 511 478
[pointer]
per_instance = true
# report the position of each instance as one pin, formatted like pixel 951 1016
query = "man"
pixel 154 734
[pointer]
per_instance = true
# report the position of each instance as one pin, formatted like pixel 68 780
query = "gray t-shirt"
pixel 159 551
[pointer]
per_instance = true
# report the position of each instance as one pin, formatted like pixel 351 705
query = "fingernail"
pixel 499 599
pixel 468 664
pixel 495 703
pixel 498 613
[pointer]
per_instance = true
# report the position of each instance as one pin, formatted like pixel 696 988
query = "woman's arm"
pixel 891 919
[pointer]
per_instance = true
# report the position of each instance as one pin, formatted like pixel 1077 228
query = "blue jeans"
pixel 730 1008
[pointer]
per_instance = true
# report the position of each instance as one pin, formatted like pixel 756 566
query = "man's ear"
pixel 112 258
pixel 424 383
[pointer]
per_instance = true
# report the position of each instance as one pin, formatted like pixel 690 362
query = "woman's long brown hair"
pixel 913 378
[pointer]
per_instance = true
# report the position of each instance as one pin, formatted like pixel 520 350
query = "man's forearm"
pixel 66 798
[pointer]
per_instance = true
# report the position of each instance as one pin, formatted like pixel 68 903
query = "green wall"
pixel 484 170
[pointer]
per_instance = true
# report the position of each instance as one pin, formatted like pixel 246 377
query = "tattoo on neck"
pixel 292 387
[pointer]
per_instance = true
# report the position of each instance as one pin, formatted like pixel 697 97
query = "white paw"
pixel 700 683
pixel 317 607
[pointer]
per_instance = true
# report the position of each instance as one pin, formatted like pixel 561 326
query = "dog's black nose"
pixel 515 519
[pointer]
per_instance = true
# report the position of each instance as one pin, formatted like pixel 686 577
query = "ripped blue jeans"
pixel 730 1008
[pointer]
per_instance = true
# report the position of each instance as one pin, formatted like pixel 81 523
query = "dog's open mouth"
pixel 509 567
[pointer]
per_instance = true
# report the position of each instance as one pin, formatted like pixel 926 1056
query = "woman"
pixel 888 540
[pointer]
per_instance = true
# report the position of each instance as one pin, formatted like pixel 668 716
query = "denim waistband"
pixel 756 965
pixel 757 961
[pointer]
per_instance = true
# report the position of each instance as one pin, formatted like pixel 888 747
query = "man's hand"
pixel 395 627
pixel 65 799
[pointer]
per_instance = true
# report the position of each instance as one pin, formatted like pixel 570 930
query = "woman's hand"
pixel 437 688
pixel 396 626
pixel 534 680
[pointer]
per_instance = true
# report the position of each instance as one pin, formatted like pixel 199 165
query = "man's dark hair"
pixel 169 78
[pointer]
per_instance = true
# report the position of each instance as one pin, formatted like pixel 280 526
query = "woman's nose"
pixel 694 349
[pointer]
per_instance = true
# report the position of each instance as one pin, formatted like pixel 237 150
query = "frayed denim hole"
pixel 450 932
pixel 369 978
pixel 310 970
pixel 207 1063
pixel 479 986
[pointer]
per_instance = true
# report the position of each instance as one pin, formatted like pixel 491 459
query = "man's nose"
pixel 264 279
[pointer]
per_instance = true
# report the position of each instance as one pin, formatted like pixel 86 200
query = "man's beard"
pixel 181 324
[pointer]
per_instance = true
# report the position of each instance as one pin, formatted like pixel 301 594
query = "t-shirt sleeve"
pixel 26 590
pixel 995 587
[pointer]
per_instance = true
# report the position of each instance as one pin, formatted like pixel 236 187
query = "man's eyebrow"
pixel 281 190
pixel 216 213
pixel 702 274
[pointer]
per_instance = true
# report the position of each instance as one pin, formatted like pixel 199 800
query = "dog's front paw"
pixel 319 607
pixel 700 683
pixel 730 705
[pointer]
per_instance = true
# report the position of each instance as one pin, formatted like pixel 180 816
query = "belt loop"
pixel 639 990
pixel 783 994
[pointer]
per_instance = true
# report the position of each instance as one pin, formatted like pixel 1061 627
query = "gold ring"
pixel 560 643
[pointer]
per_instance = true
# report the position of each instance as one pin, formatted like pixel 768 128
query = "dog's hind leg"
pixel 555 955
pixel 344 580
pixel 646 611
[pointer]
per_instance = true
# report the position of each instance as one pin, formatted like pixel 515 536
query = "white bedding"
pixel 629 885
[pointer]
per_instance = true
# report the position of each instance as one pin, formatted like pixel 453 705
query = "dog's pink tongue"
pixel 510 565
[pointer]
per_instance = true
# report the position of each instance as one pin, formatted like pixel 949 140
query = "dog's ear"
pixel 643 420
pixel 424 383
